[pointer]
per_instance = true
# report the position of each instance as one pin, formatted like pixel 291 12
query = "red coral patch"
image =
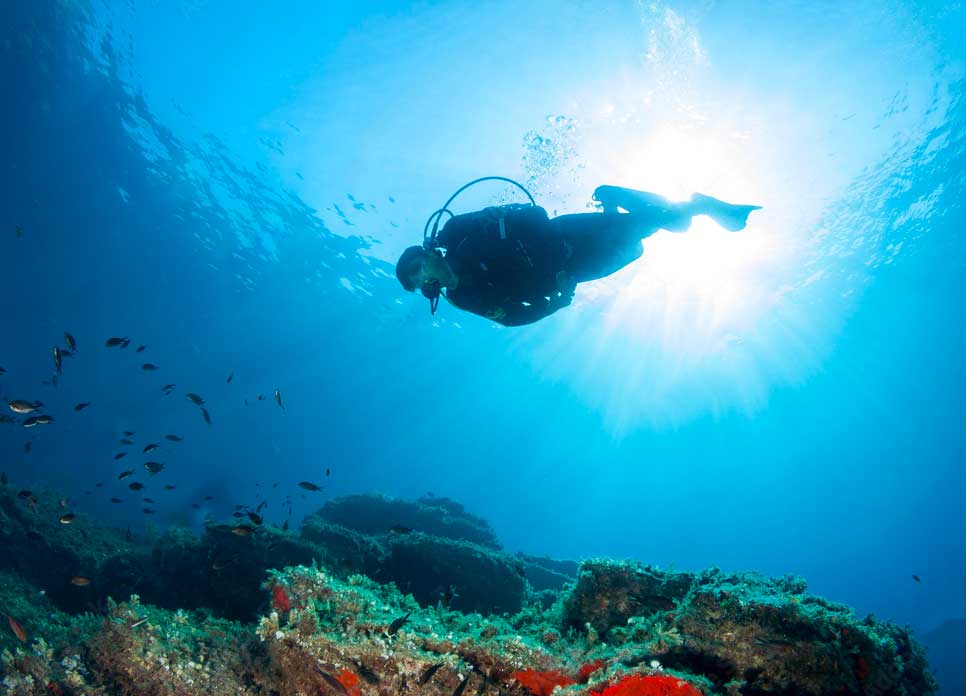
pixel 280 599
pixel 542 683
pixel 650 685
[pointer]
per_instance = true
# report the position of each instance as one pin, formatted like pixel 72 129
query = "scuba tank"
pixel 498 221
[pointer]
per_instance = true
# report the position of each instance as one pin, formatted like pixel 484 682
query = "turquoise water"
pixel 231 187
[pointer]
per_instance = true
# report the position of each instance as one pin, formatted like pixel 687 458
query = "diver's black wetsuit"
pixel 507 258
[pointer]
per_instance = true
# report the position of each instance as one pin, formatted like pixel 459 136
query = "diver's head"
pixel 425 270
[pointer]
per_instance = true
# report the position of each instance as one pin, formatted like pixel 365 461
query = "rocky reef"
pixel 359 603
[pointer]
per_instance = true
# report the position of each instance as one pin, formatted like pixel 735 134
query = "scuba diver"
pixel 515 265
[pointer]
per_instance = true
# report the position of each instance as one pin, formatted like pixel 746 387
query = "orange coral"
pixel 649 685
pixel 583 674
pixel 280 599
pixel 542 683
pixel 350 681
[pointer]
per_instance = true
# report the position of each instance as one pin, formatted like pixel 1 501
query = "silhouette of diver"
pixel 515 265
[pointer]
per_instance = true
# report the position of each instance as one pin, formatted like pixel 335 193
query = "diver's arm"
pixel 521 314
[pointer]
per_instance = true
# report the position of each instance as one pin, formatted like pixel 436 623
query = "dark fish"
pixel 208 497
pixel 336 685
pixel 148 511
pixel 99 484
pixel 260 397
pixel 116 500
pixel 366 673
pixel 196 506
pixel 170 487
pixel 120 455
pixel 398 623
pixel 125 441
pixel 278 399
pixel 58 359
pixel 18 630
pixel 149 500
pixel 228 381
pixel 80 581
pixel 309 486
pixel 27 446
pixel 153 467
pixel 124 474
pixel 114 341
pixel 31 422
pixel 461 687
pixel 44 419
pixel 149 367
pixel 82 405
pixel 128 433
pixel 430 671
pixel 242 530
pixel 167 389
pixel 400 529
pixel 261 505
pixel 68 518
pixel 23 407
pixel 328 471
pixel 285 526
pixel 24 494
pixel 205 415
pixel 222 563
pixel 195 399
pixel 140 349
pixel 71 343
pixel 136 486
pixel 2 371
pixel 916 578
pixel 255 517
pixel 150 448
pixel 138 623
pixel 173 438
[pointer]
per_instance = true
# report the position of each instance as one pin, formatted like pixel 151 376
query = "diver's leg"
pixel 598 244
pixel 675 217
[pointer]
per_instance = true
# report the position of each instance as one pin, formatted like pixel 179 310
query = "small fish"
pixel 82 405
pixel 461 687
pixel 3 371
pixel 120 455
pixel 278 399
pixel 205 415
pixel 27 446
pixel 99 484
pixel 44 419
pixel 153 467
pixel 328 471
pixel 17 629
pixel 366 673
pixel 228 381
pixel 19 231
pixel 916 578
pixel 149 367
pixel 58 359
pixel 124 474
pixel 150 448
pixel 31 422
pixel 71 343
pixel 260 397
pixel 114 341
pixel 400 529
pixel 128 433
pixel 148 511
pixel 430 671
pixel 116 500
pixel 173 438
pixel 140 349
pixel 221 564
pixel 136 486
pixel 195 399
pixel 138 623
pixel 285 526
pixel 80 581
pixel 167 389
pixel 398 623
pixel 24 494
pixel 68 518
pixel 336 685
pixel 208 497
pixel 255 517
pixel 125 441
pixel 170 487
pixel 242 530
pixel 309 486
pixel 23 407
pixel 196 506
pixel 149 500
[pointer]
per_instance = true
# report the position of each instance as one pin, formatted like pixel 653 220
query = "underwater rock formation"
pixel 299 627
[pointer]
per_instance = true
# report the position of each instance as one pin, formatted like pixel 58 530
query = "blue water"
pixel 231 189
